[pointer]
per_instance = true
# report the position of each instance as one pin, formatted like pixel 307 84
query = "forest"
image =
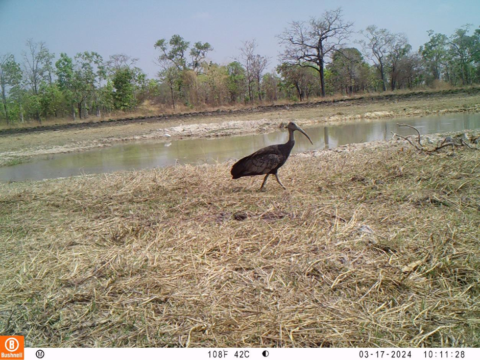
pixel 314 62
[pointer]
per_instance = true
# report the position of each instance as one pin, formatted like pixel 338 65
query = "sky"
pixel 132 27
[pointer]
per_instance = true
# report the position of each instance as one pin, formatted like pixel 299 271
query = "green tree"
pixel 68 82
pixel 127 81
pixel 89 71
pixel 464 52
pixel 124 89
pixel 236 81
pixel 173 51
pixel 435 55
pixel 198 54
pixel 10 77
pixel 349 71
pixel 302 79
pixel 51 99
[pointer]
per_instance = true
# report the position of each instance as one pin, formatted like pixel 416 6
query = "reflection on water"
pixel 149 155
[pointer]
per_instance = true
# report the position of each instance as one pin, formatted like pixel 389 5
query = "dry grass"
pixel 372 247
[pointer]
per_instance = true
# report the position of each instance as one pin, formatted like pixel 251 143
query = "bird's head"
pixel 292 127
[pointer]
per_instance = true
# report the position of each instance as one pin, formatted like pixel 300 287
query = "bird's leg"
pixel 263 184
pixel 284 188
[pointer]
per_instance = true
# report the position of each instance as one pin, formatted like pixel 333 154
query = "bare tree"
pixel 398 50
pixel 411 71
pixel 254 65
pixel 378 45
pixel 120 61
pixel 170 75
pixel 311 44
pixel 37 64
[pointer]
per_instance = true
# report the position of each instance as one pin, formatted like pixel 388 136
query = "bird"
pixel 267 160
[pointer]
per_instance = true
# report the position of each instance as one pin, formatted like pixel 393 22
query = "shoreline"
pixel 18 148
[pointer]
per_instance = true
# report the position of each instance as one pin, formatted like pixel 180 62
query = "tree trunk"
pixel 299 91
pixel 382 76
pixel 173 97
pixel 4 99
pixel 258 89
pixel 322 79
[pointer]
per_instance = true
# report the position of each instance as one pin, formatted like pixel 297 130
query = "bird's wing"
pixel 261 162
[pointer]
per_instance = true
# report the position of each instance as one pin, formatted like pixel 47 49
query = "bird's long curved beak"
pixel 304 133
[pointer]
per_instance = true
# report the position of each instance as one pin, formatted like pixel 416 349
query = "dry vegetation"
pixel 377 246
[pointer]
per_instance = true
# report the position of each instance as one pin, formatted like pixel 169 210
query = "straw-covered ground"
pixel 369 246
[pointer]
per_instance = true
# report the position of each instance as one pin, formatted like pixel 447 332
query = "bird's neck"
pixel 291 136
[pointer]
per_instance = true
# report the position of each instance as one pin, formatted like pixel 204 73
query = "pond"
pixel 134 156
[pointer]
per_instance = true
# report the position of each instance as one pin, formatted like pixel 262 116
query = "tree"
pixel 378 45
pixel 435 54
pixel 349 71
pixel 50 98
pixel 118 62
pixel 254 65
pixel 126 80
pixel 37 68
pixel 300 78
pixel 10 76
pixel 67 81
pixel 464 51
pixel 124 93
pixel 236 81
pixel 37 64
pixel 270 83
pixel 175 53
pixel 213 84
pixel 89 71
pixel 312 44
pixel 410 71
pixel 170 75
pixel 198 53
pixel 399 48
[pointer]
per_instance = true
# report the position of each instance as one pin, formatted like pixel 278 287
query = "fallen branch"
pixel 469 146
pixel 414 128
pixel 448 141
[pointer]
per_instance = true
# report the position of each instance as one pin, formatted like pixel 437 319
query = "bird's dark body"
pixel 265 161
pixel 268 160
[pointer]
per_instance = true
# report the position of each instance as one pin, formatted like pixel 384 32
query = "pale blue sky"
pixel 132 27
